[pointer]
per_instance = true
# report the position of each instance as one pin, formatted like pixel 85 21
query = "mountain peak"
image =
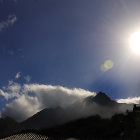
pixel 102 95
pixel 101 98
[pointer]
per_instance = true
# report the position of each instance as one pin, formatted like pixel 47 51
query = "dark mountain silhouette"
pixel 101 99
pixel 46 118
pixel 8 126
pixel 118 127
pixel 50 117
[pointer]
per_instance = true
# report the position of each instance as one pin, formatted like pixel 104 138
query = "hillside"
pixel 118 127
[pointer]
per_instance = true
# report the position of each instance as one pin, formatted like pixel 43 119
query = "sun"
pixel 135 42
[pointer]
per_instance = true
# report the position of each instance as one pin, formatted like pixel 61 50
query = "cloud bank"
pixel 28 99
pixel 130 100
pixel 9 22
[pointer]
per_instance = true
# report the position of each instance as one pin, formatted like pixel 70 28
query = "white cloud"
pixel 5 94
pixel 130 100
pixel 9 22
pixel 11 91
pixel 14 88
pixel 53 96
pixel 28 99
pixel 11 19
pixel 24 106
pixel 18 75
pixel 31 98
pixel 27 78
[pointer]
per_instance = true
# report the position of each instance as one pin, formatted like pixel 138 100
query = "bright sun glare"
pixel 135 42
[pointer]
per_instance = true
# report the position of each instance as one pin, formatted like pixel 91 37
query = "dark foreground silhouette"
pixel 120 126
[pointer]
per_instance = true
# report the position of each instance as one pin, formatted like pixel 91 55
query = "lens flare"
pixel 108 64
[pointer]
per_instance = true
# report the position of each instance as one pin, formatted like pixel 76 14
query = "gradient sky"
pixel 72 43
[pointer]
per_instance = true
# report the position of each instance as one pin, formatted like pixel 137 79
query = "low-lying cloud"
pixel 22 107
pixel 28 99
pixel 130 100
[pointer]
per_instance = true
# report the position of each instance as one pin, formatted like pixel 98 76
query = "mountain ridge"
pixel 55 116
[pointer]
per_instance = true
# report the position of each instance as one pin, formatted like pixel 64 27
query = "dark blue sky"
pixel 65 42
